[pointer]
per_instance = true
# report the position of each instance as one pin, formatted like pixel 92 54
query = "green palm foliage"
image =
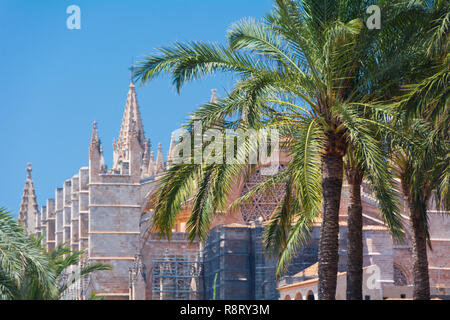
pixel 28 272
pixel 206 185
pixel 61 258
pixel 424 167
pixel 429 97
pixel 303 70
pixel 21 259
pixel 421 168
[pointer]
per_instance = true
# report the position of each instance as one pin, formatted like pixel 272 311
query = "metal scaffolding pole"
pixel 177 276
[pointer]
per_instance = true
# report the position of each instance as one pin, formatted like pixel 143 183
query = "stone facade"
pixel 108 213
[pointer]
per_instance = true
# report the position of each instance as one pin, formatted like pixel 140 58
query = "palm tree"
pixel 303 64
pixel 61 258
pixel 27 271
pixel 20 259
pixel 384 68
pixel 424 168
pixel 354 175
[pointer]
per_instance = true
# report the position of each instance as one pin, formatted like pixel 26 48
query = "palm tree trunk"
pixel 354 235
pixel 332 172
pixel 421 280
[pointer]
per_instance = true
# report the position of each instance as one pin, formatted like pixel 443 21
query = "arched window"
pixel 287 297
pixel 298 296
pixel 310 295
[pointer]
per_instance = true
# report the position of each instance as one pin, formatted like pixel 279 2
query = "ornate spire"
pixel 29 169
pixel 131 121
pixel 159 160
pixel 96 161
pixel 151 165
pixel 28 207
pixel 146 157
pixel 94 136
pixel 219 123
pixel 103 167
pixel 213 96
pixel 95 141
pixel 171 149
pixel 146 160
pixel 131 74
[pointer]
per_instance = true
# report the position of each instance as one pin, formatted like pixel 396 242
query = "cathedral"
pixel 107 212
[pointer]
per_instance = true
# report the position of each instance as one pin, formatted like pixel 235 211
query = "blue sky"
pixel 55 82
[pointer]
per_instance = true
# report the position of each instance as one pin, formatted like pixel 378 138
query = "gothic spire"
pixel 131 122
pixel 146 157
pixel 159 160
pixel 213 96
pixel 95 141
pixel 28 207
pixel 132 118
pixel 151 165
pixel 214 99
pixel 170 154
pixel 95 153
pixel 103 167
pixel 146 160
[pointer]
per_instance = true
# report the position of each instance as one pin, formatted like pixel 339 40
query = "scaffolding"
pixel 265 269
pixel 177 276
pixel 235 266
pixel 225 279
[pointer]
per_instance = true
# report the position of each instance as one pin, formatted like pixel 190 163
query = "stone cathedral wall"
pixel 114 215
